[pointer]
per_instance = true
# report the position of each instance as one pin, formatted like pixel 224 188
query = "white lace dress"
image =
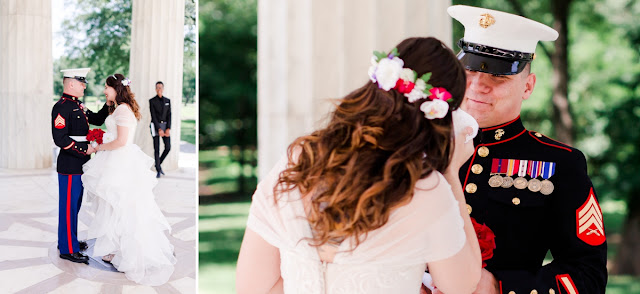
pixel 127 221
pixel 391 260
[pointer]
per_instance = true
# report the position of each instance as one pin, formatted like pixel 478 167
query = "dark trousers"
pixel 156 150
pixel 70 190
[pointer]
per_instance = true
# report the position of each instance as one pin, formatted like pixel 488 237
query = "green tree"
pixel 189 64
pixel 99 36
pixel 228 62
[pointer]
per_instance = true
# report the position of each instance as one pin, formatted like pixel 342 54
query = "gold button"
pixel 476 169
pixel 512 292
pixel 469 208
pixel 471 188
pixel 534 291
pixel 538 135
pixel 515 200
pixel 483 151
pixel 551 291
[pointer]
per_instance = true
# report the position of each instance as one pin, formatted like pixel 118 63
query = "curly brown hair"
pixel 123 94
pixel 375 148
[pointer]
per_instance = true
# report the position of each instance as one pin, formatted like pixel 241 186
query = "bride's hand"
pixel 461 153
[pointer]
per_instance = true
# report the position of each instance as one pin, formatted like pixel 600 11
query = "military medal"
pixel 548 169
pixel 520 182
pixel 535 167
pixel 534 185
pixel 512 164
pixel 507 182
pixel 496 180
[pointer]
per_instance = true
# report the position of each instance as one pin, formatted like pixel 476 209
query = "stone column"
pixel 26 84
pixel 310 52
pixel 157 48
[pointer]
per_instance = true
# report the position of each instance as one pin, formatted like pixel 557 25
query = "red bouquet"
pixel 95 135
pixel 487 240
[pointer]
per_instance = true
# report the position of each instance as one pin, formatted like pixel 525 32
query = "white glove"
pixel 461 120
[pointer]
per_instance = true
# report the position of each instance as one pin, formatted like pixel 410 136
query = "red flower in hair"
pixel 486 239
pixel 95 135
pixel 404 86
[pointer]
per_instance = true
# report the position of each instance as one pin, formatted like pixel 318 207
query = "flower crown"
pixel 387 71
pixel 125 82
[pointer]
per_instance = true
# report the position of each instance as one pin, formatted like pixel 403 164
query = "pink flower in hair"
pixel 439 94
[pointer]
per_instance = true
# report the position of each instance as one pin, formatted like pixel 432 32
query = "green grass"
pixel 222 223
pixel 219 171
pixel 188 130
pixel 222 227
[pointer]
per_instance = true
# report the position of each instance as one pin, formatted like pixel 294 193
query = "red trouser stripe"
pixel 69 214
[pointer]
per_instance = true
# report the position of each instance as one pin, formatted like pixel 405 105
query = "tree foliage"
pixel 99 36
pixel 228 68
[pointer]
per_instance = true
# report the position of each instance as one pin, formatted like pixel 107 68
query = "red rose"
pixel 95 135
pixel 486 239
pixel 404 86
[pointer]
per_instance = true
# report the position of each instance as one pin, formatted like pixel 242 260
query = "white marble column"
pixel 312 51
pixel 157 42
pixel 26 85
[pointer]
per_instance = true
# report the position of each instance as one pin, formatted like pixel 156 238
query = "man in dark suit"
pixel 160 108
pixel 69 127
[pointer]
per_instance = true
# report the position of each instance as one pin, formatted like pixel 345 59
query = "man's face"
pixel 493 99
pixel 75 88
pixel 159 89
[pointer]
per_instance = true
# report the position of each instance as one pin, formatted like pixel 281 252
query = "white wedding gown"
pixel 392 259
pixel 127 221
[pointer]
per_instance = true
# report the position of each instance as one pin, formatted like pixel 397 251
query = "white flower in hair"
pixel 372 69
pixel 388 72
pixel 418 91
pixel 408 75
pixel 434 109
pixel 126 82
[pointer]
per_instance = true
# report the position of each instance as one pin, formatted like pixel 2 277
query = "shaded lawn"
pixel 222 227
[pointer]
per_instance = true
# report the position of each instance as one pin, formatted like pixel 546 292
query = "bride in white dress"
pixel 128 225
pixel 366 203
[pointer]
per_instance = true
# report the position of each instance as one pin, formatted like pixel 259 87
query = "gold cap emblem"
pixel 486 20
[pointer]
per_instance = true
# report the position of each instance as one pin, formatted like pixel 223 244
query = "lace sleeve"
pixel 124 116
pixel 265 217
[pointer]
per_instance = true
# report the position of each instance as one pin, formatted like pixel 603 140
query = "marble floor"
pixel 29 261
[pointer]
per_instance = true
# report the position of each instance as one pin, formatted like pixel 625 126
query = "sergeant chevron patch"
pixel 566 281
pixel 589 225
pixel 59 122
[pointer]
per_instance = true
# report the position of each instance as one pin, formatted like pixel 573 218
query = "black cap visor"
pixel 80 79
pixel 490 64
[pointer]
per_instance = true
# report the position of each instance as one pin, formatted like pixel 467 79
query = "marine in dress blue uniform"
pixel 69 126
pixel 532 191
